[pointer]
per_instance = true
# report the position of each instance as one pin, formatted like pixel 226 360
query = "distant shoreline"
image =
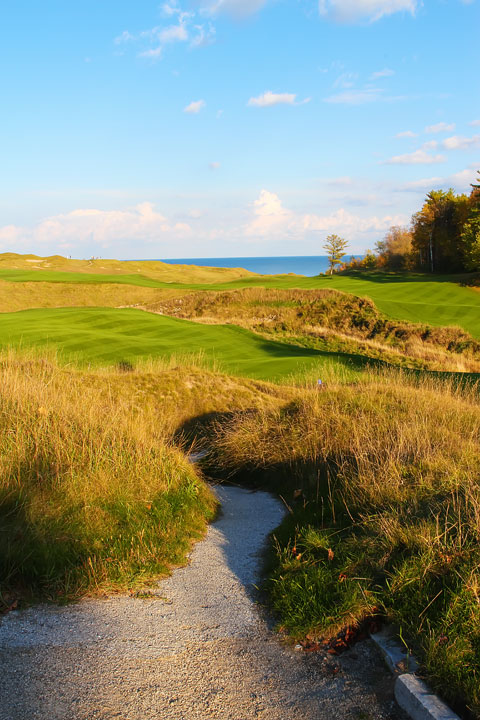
pixel 309 265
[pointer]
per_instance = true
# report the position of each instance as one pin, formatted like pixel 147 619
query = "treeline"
pixel 444 236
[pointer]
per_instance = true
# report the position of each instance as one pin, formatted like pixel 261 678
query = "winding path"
pixel 198 649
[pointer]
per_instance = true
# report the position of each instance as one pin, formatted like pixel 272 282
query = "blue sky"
pixel 204 128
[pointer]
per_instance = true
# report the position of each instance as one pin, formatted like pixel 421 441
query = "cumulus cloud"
pixel 457 142
pixel 194 107
pixel 271 219
pixel 419 157
pixel 269 98
pixel 349 11
pixel 105 228
pixel 440 127
pixel 406 134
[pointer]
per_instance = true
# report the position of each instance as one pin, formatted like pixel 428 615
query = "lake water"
pixel 299 264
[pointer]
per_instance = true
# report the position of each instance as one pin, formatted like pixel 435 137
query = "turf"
pixel 439 300
pixel 105 336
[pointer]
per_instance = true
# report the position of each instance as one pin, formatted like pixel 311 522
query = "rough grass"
pixel 386 516
pixel 93 493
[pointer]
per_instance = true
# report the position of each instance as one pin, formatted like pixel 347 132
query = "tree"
pixel 394 251
pixel 471 230
pixel 335 248
pixel 437 229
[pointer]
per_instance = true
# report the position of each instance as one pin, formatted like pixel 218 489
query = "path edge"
pixel 411 693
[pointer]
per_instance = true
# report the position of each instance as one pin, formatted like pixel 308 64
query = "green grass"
pixel 438 300
pixel 104 336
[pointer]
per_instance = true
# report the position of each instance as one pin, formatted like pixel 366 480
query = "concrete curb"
pixel 411 693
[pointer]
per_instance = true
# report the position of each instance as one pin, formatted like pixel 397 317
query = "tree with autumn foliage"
pixel 394 252
pixel 437 230
pixel 471 229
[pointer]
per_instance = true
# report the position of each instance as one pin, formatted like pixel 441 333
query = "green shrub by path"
pixel 106 336
pixel 383 479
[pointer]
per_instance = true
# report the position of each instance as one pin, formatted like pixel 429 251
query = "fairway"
pixel 438 300
pixel 102 336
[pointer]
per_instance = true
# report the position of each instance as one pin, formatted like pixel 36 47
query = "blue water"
pixel 299 264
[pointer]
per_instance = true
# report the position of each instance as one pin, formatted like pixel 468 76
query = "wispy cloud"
pixel 269 99
pixel 440 127
pixel 418 157
pixel 355 97
pixel 386 72
pixel 460 181
pixel 186 29
pixel 350 11
pixel 214 165
pixel 406 134
pixel 237 8
pixel 475 123
pixel 194 107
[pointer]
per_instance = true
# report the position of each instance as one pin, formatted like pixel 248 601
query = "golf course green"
pixel 436 300
pixel 105 336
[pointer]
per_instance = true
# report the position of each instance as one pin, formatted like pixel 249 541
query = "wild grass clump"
pixel 386 477
pixel 331 320
pixel 92 495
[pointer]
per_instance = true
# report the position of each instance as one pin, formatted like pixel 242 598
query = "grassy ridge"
pixel 383 483
pixel 106 336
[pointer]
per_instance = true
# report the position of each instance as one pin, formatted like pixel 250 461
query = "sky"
pixel 225 128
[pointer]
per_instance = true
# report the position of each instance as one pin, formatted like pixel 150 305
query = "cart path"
pixel 199 649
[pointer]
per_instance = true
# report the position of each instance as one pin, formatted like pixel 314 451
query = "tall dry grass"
pixel 387 517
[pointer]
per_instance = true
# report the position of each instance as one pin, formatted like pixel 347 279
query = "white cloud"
pixel 271 219
pixel 214 165
pixel 194 107
pixel 174 33
pixel 419 157
pixel 205 35
pixel 430 145
pixel 90 227
pixel 457 142
pixel 270 215
pixel 355 97
pixel 406 134
pixel 440 127
pixel 123 38
pixel 475 123
pixel 386 72
pixel 269 98
pixel 357 10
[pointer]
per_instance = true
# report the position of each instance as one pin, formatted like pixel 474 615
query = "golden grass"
pixel 94 494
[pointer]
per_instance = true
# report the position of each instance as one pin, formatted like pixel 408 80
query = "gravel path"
pixel 199 648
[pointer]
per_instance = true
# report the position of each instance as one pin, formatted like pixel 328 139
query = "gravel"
pixel 200 647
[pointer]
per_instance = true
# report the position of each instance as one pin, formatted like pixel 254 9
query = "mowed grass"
pixel 438 300
pixel 105 336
